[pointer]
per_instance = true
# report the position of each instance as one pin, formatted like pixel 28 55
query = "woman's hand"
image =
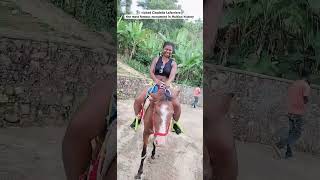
pixel 159 82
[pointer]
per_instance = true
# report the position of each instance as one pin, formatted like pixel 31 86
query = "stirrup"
pixel 135 124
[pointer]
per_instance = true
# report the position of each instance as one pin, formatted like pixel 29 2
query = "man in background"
pixel 298 97
pixel 196 94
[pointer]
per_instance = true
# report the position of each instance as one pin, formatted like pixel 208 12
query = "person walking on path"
pixel 298 97
pixel 196 94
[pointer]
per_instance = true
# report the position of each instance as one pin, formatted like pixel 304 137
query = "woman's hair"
pixel 167 43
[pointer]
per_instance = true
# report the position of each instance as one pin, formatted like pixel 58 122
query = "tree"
pixel 273 37
pixel 128 6
pixel 160 25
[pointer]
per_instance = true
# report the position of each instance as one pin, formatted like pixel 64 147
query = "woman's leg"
pixel 176 115
pixel 87 123
pixel 138 102
pixel 177 109
pixel 137 106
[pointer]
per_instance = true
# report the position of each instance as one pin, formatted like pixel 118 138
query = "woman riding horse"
pixel 157 118
pixel 162 71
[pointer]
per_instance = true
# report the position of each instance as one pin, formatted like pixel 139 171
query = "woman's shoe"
pixel 176 128
pixel 136 123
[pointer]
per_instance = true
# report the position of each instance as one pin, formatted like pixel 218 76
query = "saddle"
pixel 154 89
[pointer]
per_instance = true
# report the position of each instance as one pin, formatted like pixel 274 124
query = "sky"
pixel 190 7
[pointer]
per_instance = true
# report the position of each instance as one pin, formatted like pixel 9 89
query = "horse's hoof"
pixel 152 157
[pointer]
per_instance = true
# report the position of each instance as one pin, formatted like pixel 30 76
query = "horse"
pixel 157 120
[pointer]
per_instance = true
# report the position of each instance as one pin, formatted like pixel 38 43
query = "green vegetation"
pixel 273 37
pixel 139 41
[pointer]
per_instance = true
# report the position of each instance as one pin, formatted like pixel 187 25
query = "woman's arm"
pixel 152 70
pixel 172 73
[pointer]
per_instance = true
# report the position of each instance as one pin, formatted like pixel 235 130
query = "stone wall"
pixel 130 87
pixel 259 111
pixel 42 82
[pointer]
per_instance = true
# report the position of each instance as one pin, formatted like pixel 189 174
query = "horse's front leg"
pixel 143 154
pixel 153 150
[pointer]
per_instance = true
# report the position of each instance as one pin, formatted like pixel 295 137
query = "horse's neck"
pixel 164 98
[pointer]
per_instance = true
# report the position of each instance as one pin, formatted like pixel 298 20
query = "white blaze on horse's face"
pixel 164 113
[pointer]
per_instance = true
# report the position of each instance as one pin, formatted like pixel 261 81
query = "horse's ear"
pixel 177 93
pixel 173 96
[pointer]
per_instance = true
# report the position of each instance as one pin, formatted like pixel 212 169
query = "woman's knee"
pixel 140 98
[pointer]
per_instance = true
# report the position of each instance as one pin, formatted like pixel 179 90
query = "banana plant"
pixel 130 35
pixel 122 35
pixel 151 45
pixel 277 31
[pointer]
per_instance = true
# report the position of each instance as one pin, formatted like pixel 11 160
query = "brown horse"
pixel 157 120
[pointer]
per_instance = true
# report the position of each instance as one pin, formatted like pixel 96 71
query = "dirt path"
pixel 181 158
pixel 43 18
pixel 34 153
pixel 256 162
pixel 31 153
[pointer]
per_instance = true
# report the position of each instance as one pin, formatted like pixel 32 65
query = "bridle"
pixel 167 92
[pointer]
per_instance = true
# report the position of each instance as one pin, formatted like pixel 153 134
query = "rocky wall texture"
pixel 130 87
pixel 42 83
pixel 259 110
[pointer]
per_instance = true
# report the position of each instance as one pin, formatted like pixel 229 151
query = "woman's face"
pixel 167 51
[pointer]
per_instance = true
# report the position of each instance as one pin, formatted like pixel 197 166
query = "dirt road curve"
pixel 181 158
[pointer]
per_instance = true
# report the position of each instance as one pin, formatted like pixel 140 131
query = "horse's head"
pixel 164 94
pixel 163 111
